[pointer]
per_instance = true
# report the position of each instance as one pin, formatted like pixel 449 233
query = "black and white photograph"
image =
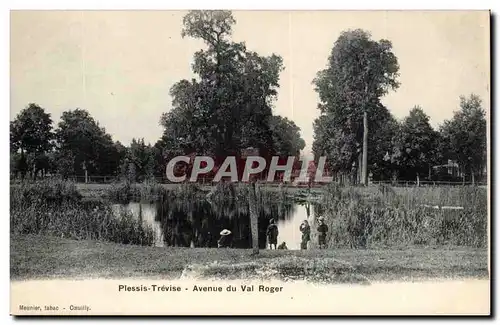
pixel 239 162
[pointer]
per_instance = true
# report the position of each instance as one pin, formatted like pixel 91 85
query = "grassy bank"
pixel 50 257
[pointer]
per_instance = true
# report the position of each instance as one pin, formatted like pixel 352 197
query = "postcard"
pixel 217 162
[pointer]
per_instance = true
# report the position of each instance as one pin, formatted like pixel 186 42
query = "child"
pixel 272 234
pixel 283 246
pixel 225 239
pixel 322 230
pixel 306 234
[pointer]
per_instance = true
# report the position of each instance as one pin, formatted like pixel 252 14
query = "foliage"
pixel 415 151
pixel 18 164
pixel 464 136
pixel 83 145
pixel 139 162
pixel 360 71
pixel 31 134
pixel 229 106
pixel 127 191
pixel 360 219
pixel 31 131
pixel 55 208
pixel 47 191
pixel 286 136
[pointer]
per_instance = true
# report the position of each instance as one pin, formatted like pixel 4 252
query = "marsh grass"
pixel 56 208
pixel 373 217
pixel 224 193
pixel 125 192
pixel 369 217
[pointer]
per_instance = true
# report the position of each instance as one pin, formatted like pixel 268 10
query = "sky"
pixel 120 65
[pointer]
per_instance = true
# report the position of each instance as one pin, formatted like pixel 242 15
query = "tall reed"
pixel 56 208
pixel 125 192
pixel 361 217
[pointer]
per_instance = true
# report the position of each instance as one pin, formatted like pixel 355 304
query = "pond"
pixel 198 224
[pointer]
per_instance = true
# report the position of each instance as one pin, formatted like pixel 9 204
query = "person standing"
pixel 305 229
pixel 272 234
pixel 322 231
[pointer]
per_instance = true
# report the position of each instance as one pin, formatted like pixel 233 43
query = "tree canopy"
pixel 83 145
pixel 228 107
pixel 359 72
pixel 31 130
pixel 465 136
pixel 415 150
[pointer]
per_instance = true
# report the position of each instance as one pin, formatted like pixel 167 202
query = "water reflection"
pixel 183 223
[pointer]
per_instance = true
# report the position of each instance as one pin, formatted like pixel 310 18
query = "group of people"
pixel 272 233
pixel 305 229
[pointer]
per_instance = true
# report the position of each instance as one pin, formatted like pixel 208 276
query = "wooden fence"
pixel 209 181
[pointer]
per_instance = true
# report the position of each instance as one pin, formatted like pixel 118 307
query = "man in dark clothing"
pixel 272 234
pixel 322 230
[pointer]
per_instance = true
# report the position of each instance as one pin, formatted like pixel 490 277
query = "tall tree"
pixel 142 157
pixel 83 145
pixel 338 144
pixel 229 106
pixel 385 128
pixel 417 145
pixel 465 134
pixel 360 71
pixel 31 131
pixel 286 137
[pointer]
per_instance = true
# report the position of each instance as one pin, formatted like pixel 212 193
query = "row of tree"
pixel 227 108
pixel 78 145
pixel 358 134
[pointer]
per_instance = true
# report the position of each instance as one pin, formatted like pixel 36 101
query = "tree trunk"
pixel 364 171
pixel 359 170
pixel 472 176
pixel 254 218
